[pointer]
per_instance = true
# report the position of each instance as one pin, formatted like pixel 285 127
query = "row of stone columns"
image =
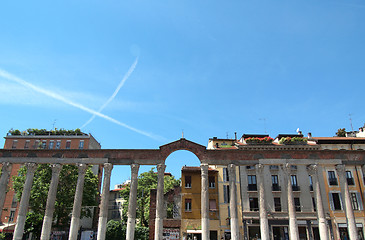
pixel 264 227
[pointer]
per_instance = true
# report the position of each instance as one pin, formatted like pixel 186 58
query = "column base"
pixel 131 225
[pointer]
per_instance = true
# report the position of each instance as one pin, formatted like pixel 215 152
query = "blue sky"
pixel 209 68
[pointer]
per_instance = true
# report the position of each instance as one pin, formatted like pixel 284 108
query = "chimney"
pixel 235 136
pixel 309 135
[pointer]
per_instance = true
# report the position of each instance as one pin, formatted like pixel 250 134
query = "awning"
pixel 7 227
pixel 194 231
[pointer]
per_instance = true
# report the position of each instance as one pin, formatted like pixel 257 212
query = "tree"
pixel 146 182
pixel 64 198
pixel 116 230
pixel 341 132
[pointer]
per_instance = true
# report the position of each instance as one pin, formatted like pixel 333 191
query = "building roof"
pixel 339 140
pixel 195 169
pixel 288 135
pixel 254 135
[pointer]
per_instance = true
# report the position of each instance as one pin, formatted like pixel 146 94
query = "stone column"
pixel 293 226
pixel 76 210
pixel 322 226
pixel 4 179
pixel 159 201
pixel 235 229
pixel 103 216
pixel 351 224
pixel 205 201
pixel 264 223
pixel 51 199
pixel 24 201
pixel 131 223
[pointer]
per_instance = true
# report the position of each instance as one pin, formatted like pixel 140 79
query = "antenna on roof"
pixel 54 122
pixel 352 128
pixel 182 133
pixel 226 135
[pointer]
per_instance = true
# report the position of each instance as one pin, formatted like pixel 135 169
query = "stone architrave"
pixel 322 225
pixel 159 202
pixel 293 226
pixel 103 216
pixel 235 230
pixel 205 201
pixel 24 202
pixel 264 223
pixel 132 206
pixel 4 179
pixel 51 199
pixel 76 210
pixel 351 223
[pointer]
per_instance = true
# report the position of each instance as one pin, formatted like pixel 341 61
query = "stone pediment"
pixel 182 144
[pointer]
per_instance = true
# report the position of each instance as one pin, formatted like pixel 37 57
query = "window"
pixel 274 167
pixel 81 144
pixel 275 183
pixel 212 205
pixel 187 181
pixel 335 200
pixel 36 144
pixel 211 182
pixel 277 204
pixel 314 204
pixel 332 180
pixel 187 205
pixel 350 179
pixel 294 183
pixel 58 144
pixel 297 205
pixel 226 193
pixel 26 145
pixel 51 144
pixel 225 175
pixel 310 183
pixel 11 216
pixel 15 142
pixel 68 144
pixel 356 201
pixel 252 185
pixel 254 204
pixel 44 144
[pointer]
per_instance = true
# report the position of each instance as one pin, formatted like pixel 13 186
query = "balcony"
pixel 296 188
pixel 276 187
pixel 252 187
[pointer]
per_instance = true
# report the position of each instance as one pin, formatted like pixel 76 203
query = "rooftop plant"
pixel 293 140
pixel 257 140
pixel 35 131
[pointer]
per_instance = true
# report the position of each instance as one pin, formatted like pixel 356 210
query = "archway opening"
pixel 176 160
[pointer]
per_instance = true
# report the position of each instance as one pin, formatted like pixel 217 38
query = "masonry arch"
pixel 198 150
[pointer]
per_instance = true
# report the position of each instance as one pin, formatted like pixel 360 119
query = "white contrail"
pixel 51 94
pixel 126 76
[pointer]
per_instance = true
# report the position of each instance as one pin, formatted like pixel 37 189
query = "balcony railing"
pixel 276 187
pixel 296 188
pixel 252 187
pixel 350 181
pixel 332 181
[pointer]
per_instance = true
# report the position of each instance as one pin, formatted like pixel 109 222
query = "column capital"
pixel 56 168
pixel 340 168
pixel 31 167
pixel 312 169
pixel 259 167
pixel 287 168
pixel 232 168
pixel 161 168
pixel 108 168
pixel 6 166
pixel 82 168
pixel 204 168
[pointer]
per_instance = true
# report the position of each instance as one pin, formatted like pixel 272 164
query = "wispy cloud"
pixel 58 97
pixel 126 76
